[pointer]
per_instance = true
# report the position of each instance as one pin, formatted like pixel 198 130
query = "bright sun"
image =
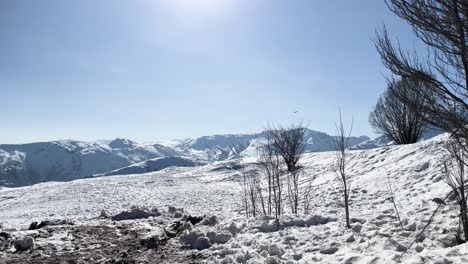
pixel 202 6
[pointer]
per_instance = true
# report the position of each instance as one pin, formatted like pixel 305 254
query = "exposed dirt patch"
pixel 103 242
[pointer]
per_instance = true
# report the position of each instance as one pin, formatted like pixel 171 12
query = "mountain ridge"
pixel 63 160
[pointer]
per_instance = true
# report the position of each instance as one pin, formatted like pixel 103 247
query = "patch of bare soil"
pixel 101 242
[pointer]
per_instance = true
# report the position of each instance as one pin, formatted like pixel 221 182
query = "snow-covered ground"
pixel 415 172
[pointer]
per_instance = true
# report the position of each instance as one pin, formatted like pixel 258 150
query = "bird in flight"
pixel 295 112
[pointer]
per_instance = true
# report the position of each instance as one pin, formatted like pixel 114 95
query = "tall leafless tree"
pixel 395 119
pixel 288 143
pixel 442 25
pixel 342 144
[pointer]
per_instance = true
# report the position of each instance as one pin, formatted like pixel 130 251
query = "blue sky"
pixel 155 70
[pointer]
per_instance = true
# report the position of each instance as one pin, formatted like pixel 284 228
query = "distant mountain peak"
pixel 121 143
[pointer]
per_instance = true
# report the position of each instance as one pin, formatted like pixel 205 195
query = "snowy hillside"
pixel 67 160
pixel 414 170
pixel 223 147
pixel 154 165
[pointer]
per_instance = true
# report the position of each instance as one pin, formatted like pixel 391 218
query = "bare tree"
pixel 456 168
pixel 307 195
pixel 251 193
pixel 288 142
pixel 342 144
pixel 395 119
pixel 269 163
pixel 442 25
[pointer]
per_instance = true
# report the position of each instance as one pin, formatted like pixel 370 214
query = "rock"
pixel 24 244
pixel 411 227
pixel 35 225
pixel 420 226
pixel 178 214
pixel 405 221
pixel 55 222
pixel 152 243
pixel 187 226
pixel 171 209
pixel 297 256
pixel 222 237
pixel 272 260
pixel 134 213
pixel 234 228
pixel 317 220
pixel 357 220
pixel 400 248
pixel 357 228
pixel 422 167
pixel 419 248
pixel 264 253
pixel 329 251
pixel 173 229
pixel 438 178
pixel 190 238
pixel 210 221
pixel 5 235
pixel 103 214
pixel 448 240
pixel 421 237
pixel 202 242
pixel 275 250
pixel 392 244
pixel 122 258
pixel 211 235
pixel 194 219
pixel 268 226
pixel 350 239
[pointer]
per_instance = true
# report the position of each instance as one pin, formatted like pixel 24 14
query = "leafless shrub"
pixel 263 189
pixel 269 163
pixel 342 176
pixel 456 177
pixel 288 143
pixel 394 118
pixel 307 195
pixel 251 193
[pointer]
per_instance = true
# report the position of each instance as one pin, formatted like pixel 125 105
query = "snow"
pixel 154 165
pixel 415 172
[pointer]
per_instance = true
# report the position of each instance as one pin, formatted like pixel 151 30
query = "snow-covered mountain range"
pixel 64 160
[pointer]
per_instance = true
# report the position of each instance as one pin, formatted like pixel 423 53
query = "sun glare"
pixel 213 7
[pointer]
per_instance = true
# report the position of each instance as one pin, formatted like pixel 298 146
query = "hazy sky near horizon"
pixel 153 70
